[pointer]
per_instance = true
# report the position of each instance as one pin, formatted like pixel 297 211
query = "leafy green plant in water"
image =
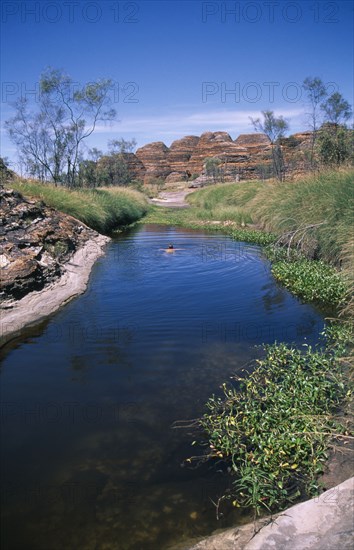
pixel 311 280
pixel 272 427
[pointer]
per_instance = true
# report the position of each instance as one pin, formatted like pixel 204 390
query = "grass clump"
pixel 273 426
pixel 225 194
pixel 103 209
pixel 319 208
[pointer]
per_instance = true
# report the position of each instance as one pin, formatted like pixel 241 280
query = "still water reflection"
pixel 90 460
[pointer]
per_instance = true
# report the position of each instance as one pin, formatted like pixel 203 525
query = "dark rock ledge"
pixel 45 260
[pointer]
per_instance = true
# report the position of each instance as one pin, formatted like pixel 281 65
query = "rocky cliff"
pixel 247 157
pixel 154 157
pixel 179 155
pixel 136 168
pixel 35 243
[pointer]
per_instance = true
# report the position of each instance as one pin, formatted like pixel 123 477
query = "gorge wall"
pixel 243 158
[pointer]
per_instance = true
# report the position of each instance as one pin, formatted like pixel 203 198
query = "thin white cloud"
pixel 175 125
pixel 233 121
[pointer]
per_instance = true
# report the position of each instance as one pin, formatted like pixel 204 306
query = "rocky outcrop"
pixel 322 523
pixel 35 243
pixel 5 173
pixel 179 156
pixel 297 153
pixel 134 165
pixel 154 157
pixel 177 176
pixel 253 143
pixel 215 144
pixel 247 157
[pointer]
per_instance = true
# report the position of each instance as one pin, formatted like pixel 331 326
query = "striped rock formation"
pixel 247 157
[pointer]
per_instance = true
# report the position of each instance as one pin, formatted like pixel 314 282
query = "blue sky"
pixel 193 66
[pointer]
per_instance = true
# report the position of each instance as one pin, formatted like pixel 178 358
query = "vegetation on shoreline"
pixel 318 207
pixel 312 218
pixel 104 209
pixel 311 280
pixel 272 428
pixel 314 281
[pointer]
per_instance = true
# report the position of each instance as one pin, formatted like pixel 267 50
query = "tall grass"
pixel 272 428
pixel 324 201
pixel 101 209
pixel 314 214
pixel 226 194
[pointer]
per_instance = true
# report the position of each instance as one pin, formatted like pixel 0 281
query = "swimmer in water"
pixel 170 248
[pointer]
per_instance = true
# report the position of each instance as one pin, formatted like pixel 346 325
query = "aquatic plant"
pixel 271 428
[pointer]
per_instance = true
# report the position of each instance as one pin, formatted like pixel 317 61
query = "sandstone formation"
pixel 179 155
pixel 253 143
pixel 35 243
pixel 302 138
pixel 154 157
pixel 177 176
pixel 247 157
pixel 216 144
pixel 135 167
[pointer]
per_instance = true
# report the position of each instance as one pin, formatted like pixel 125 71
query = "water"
pixel 90 460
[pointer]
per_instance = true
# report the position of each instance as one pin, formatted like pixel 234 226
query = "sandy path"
pixel 172 199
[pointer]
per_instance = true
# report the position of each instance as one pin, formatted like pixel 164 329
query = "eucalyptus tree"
pixel 316 93
pixel 50 137
pixel 274 128
pixel 337 109
pixel 121 146
pixel 336 140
